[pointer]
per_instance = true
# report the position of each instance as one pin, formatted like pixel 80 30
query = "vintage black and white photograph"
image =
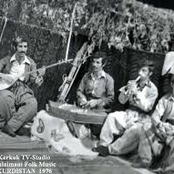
pixel 86 87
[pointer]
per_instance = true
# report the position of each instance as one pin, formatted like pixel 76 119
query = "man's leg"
pixel 168 164
pixel 7 110
pixel 128 142
pixel 114 124
pixel 25 113
pixel 145 149
pixel 95 129
pixel 7 106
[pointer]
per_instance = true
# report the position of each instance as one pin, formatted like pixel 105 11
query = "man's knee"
pixel 32 104
pixel 112 116
pixel 7 104
pixel 6 95
pixel 117 119
pixel 26 111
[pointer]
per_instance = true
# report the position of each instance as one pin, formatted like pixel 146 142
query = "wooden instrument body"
pixel 7 80
pixel 75 114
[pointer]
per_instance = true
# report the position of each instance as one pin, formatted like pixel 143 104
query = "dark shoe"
pixel 7 129
pixel 24 131
pixel 103 150
pixel 141 165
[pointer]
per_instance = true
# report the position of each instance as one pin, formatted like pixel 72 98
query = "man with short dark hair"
pixel 96 89
pixel 17 103
pixel 159 133
pixel 124 126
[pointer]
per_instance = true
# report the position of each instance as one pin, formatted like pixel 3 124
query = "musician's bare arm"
pixel 81 98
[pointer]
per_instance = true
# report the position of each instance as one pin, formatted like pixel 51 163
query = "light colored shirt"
pixel 18 69
pixel 165 108
pixel 143 97
pixel 162 106
pixel 101 88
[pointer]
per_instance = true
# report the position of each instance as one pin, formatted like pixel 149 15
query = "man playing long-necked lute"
pixel 17 103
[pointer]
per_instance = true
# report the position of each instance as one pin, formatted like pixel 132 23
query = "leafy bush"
pixel 120 23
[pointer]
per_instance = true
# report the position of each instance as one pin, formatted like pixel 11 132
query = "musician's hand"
pixel 39 80
pixel 92 103
pixel 41 71
pixel 132 85
pixel 83 102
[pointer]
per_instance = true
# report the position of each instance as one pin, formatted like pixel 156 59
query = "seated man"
pixel 125 125
pixel 96 90
pixel 161 132
pixel 17 103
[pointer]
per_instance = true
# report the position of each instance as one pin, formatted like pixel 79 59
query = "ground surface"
pixel 43 160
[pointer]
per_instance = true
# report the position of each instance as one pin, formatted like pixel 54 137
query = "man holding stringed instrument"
pixel 120 132
pixel 17 102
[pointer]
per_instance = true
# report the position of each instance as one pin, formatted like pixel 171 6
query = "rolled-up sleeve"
pixel 81 90
pixel 109 92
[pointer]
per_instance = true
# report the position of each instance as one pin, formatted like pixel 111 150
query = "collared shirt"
pixel 141 102
pixel 145 96
pixel 163 105
pixel 165 108
pixel 101 87
pixel 30 79
pixel 18 69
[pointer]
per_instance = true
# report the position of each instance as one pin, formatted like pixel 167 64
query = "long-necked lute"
pixel 7 80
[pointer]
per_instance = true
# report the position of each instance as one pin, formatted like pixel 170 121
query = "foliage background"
pixel 125 30
pixel 120 23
